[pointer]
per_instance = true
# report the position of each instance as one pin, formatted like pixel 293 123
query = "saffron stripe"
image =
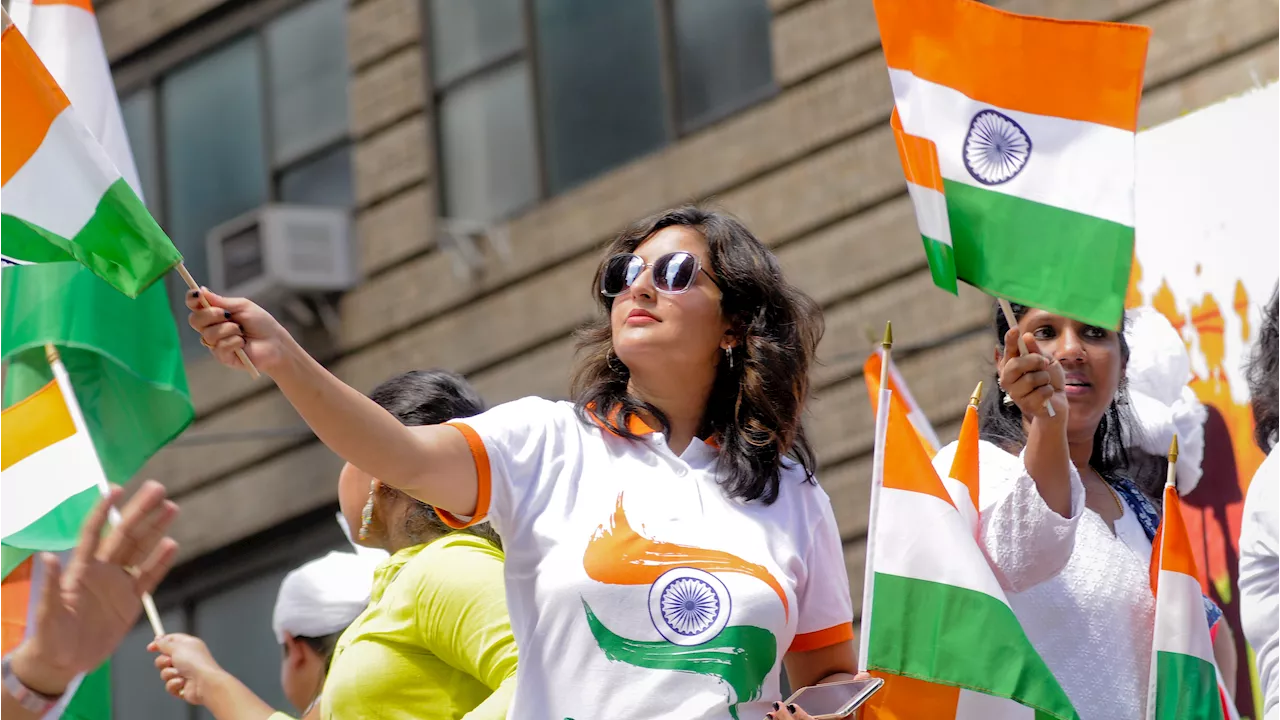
pixel 1088 71
pixel 29 87
pixel 31 425
pixel 919 156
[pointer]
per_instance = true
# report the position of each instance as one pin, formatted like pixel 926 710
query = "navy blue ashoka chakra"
pixel 996 148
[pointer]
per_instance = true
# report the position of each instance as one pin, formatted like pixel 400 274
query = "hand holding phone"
pixel 834 701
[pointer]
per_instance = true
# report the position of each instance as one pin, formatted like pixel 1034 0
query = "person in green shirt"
pixel 435 640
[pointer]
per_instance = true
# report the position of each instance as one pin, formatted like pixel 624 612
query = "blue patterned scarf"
pixel 1149 517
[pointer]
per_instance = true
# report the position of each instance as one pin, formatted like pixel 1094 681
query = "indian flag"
pixel 1017 138
pixel 901 394
pixel 935 623
pixel 61 197
pixel 1184 679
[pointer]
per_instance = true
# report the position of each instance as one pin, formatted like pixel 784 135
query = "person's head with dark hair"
pixel 387 518
pixel 1094 361
pixel 1264 365
pixel 699 327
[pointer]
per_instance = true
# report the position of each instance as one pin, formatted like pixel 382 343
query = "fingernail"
pixel 777 706
pixel 195 293
pixel 226 314
pixel 791 708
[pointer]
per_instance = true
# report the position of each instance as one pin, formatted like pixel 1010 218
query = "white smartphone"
pixel 835 701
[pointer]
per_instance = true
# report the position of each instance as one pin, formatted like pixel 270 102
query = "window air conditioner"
pixel 279 252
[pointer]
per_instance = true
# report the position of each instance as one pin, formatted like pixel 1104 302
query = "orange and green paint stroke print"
pixel 618 555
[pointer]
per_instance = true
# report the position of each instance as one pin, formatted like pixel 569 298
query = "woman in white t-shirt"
pixel 668 549
pixel 1259 527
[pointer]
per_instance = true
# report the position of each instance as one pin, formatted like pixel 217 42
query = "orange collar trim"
pixel 638 426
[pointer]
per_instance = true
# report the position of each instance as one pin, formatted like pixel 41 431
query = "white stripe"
pixel 41 481
pixel 61 184
pixel 1079 166
pixel 1180 625
pixel 66 39
pixel 931 212
pixel 921 536
pixel 964 503
pixel 976 706
pixel 873 517
pixel 6 261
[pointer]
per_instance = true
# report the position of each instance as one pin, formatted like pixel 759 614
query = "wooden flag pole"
pixel 63 380
pixel 191 283
pixel 1022 344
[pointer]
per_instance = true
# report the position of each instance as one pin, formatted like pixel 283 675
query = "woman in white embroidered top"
pixel 1259 529
pixel 1066 529
pixel 668 549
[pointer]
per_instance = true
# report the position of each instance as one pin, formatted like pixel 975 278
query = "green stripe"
pixel 1186 688
pixel 942 264
pixel 959 637
pixel 122 355
pixel 56 530
pixel 121 243
pixel 92 700
pixel 741 655
pixel 1038 255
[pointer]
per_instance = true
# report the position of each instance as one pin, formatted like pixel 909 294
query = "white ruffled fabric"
pixel 1162 401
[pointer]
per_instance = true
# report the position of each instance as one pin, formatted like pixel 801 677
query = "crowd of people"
pixel 676 494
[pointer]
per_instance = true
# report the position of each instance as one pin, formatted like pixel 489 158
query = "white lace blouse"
pixel 1082 594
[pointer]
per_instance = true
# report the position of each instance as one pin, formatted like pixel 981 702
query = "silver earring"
pixel 1008 401
pixel 728 352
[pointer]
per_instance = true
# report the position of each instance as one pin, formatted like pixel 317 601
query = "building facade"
pixel 550 124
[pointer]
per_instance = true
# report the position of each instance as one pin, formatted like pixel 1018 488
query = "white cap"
pixel 323 596
pixel 1159 372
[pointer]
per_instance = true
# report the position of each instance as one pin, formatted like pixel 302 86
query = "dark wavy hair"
pixel 1001 424
pixel 755 406
pixel 429 397
pixel 1263 369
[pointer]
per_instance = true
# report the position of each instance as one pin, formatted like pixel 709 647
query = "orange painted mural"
pixel 1213 510
pixel 1206 258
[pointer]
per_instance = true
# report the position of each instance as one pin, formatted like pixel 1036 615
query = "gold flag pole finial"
pixel 977 395
pixel 887 342
pixel 1171 478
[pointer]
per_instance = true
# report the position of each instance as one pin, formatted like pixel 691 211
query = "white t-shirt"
pixel 637 588
pixel 1260 579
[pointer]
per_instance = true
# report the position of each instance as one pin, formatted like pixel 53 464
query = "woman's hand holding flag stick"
pixel 1022 344
pixel 191 283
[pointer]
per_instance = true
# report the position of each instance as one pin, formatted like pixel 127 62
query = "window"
pixel 227 601
pixel 537 96
pixel 260 118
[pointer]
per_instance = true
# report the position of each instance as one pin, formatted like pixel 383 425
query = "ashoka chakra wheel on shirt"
pixel 688 606
pixel 996 148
